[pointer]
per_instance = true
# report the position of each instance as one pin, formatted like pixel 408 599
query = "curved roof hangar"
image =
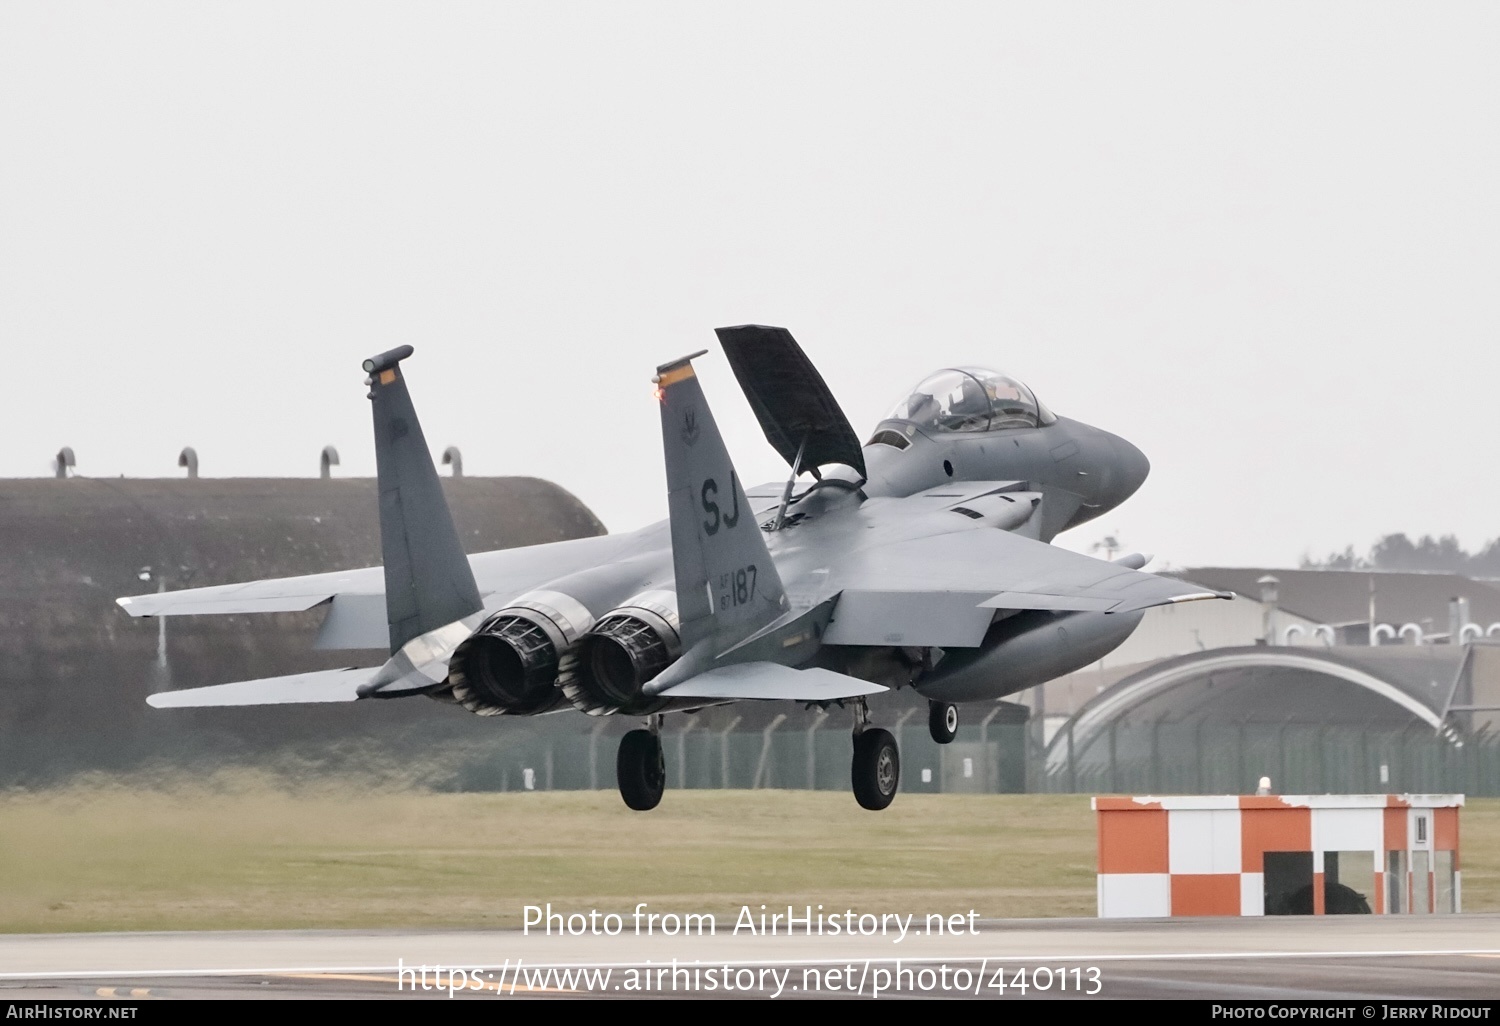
pixel 1383 686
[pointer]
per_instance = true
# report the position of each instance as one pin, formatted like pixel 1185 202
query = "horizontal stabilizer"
pixel 296 689
pixel 772 681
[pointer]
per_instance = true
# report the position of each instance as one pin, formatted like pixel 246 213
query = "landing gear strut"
pixel 876 768
pixel 641 770
pixel 942 721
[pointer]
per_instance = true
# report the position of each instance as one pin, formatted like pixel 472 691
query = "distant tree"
pixel 1486 562
pixel 1345 560
pixel 1398 552
pixel 1394 552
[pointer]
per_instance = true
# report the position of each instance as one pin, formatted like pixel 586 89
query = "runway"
pixel 1354 958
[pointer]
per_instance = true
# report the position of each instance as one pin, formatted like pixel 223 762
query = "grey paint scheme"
pixel 715 538
pixel 1081 471
pixel 428 583
pixel 871 583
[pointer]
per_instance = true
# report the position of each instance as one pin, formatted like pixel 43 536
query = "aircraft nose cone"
pixel 1131 468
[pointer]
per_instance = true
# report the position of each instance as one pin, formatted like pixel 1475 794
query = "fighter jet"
pixel 920 559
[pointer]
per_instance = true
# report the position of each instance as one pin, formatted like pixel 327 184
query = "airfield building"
pixel 1337 679
pixel 78 670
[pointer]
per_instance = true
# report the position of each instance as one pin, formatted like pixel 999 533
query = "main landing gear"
pixel 876 768
pixel 874 772
pixel 641 770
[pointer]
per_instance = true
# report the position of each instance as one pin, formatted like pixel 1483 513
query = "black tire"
pixel 876 769
pixel 641 770
pixel 942 721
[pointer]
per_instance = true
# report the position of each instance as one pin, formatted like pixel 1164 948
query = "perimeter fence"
pixel 1160 757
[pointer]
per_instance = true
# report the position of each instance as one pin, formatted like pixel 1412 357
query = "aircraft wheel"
pixel 641 770
pixel 876 771
pixel 942 721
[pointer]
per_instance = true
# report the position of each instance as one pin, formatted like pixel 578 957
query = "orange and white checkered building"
pixel 1232 855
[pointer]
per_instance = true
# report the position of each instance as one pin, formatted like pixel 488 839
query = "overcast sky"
pixel 1262 241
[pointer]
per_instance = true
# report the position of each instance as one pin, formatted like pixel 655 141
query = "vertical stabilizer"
pixel 726 582
pixel 428 583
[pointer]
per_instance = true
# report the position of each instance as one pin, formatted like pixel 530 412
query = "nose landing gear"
pixel 942 721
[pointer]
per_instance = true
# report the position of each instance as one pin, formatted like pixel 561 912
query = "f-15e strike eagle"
pixel 920 559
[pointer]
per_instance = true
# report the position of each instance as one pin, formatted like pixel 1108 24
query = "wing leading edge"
pixel 357 618
pixel 944 590
pixel 276 595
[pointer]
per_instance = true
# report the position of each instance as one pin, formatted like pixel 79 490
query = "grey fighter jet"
pixel 919 559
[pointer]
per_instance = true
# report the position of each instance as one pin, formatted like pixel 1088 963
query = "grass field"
pixel 243 853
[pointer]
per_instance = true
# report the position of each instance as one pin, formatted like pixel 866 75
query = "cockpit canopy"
pixel 971 399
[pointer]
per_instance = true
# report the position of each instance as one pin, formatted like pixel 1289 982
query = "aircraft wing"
pixel 761 680
pixel 358 616
pixel 944 590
